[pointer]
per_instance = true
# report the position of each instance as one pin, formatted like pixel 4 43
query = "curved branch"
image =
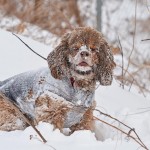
pixel 137 138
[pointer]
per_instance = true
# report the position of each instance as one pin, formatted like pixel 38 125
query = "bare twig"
pixel 141 112
pixel 29 47
pixel 122 62
pixel 122 132
pixel 12 105
pixel 137 138
pixel 141 90
pixel 145 40
pixel 131 84
pixel 143 66
pixel 111 117
pixel 133 44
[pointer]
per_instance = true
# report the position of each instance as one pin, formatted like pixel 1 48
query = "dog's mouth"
pixel 83 68
pixel 83 63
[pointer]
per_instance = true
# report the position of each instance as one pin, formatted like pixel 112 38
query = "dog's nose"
pixel 84 54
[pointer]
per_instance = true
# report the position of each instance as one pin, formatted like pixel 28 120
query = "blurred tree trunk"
pixel 75 10
pixel 99 14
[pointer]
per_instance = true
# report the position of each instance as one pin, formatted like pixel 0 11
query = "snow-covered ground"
pixel 129 107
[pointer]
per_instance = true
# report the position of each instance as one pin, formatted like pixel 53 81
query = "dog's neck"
pixel 83 84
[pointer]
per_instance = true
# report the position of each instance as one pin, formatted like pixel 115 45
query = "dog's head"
pixel 82 54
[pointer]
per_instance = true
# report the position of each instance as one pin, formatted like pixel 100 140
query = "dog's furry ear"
pixel 106 64
pixel 57 59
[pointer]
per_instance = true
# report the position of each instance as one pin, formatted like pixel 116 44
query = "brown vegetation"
pixel 52 16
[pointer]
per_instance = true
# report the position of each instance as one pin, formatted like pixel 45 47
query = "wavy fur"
pixel 58 59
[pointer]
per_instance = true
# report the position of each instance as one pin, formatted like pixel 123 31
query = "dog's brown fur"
pixel 47 110
pixel 57 59
pixel 9 118
pixel 54 111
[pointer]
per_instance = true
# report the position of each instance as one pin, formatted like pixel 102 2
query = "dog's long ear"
pixel 106 64
pixel 57 58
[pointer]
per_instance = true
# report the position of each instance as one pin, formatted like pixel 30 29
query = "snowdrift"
pixel 129 107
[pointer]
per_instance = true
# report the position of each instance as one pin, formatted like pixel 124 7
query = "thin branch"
pixel 133 44
pixel 143 66
pixel 122 62
pixel 111 117
pixel 131 84
pixel 141 90
pixel 29 47
pixel 128 134
pixel 145 40
pixel 12 105
pixel 141 112
pixel 130 129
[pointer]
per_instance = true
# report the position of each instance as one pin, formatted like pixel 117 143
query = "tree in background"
pixel 47 20
pixel 55 16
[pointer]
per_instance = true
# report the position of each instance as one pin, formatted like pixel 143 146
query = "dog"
pixel 63 93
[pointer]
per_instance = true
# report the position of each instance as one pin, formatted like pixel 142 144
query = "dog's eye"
pixel 94 49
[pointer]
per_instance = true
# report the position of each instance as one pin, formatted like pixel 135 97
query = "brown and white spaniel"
pixel 62 94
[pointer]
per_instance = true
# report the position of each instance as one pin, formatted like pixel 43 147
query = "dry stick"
pixel 9 101
pixel 122 62
pixel 140 68
pixel 145 40
pixel 141 112
pixel 136 83
pixel 131 129
pixel 133 39
pixel 131 84
pixel 128 134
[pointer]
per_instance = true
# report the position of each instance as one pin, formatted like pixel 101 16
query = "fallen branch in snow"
pixel 9 101
pixel 136 139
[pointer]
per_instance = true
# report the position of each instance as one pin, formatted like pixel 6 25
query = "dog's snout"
pixel 84 54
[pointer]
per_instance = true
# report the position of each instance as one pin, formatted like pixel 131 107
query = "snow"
pixel 14 54
pixel 122 104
